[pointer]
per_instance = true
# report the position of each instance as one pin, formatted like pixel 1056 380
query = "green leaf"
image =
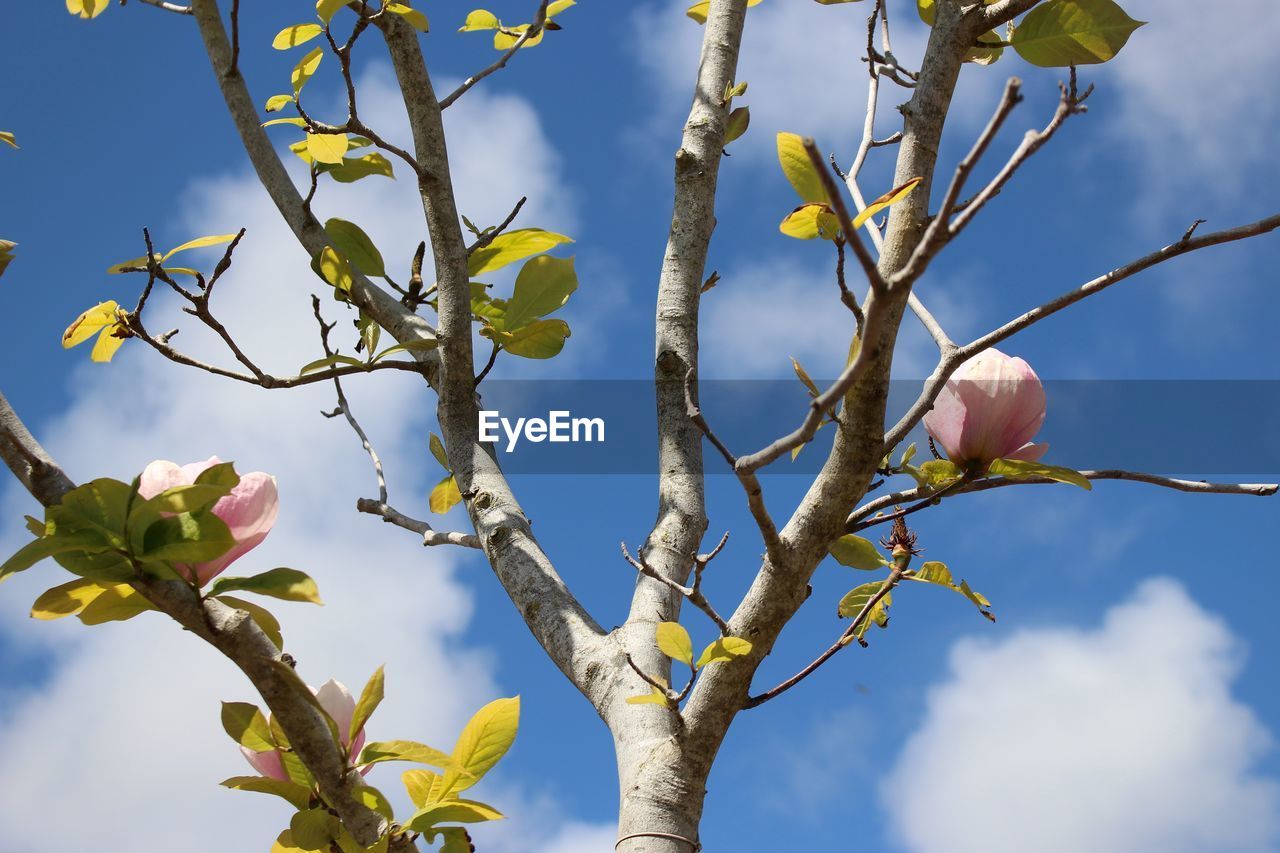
pixel 484 740
pixel 100 505
pixel 285 584
pixel 452 811
pixel 374 800
pixel 192 498
pixel 939 472
pixel 314 829
pixel 296 35
pixel 543 286
pixel 49 546
pixel 423 786
pixel 736 124
pixel 264 619
pixel 856 599
pixel 979 600
pixel 1073 32
pixel 116 603
pixel 188 537
pixel 423 345
pixel 414 18
pixel 66 599
pixel 370 699
pixel 330 361
pixel 445 496
pixel 247 726
pixel 512 246
pixel 1019 469
pixel 539 339
pixel 403 750
pixel 933 572
pixel 370 333
pixel 675 643
pixel 723 649
pixel 799 169
pixel 437 450
pixel 857 553
pixel 306 67
pixel 356 246
pixel 297 795
pixel 6 254
pixel 352 169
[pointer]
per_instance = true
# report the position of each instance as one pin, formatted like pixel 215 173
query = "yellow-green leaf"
pixel 86 8
pixel 1020 469
pixel 117 603
pixel 355 245
pixel 8 138
pixel 480 19
pixel 699 11
pixel 505 38
pixel 326 9
pixel 543 286
pixel 90 323
pixel 674 641
pixel 484 740
pixel 200 243
pixel 278 102
pixel 892 197
pixel 294 793
pixel 809 221
pixel 247 726
pixel 799 169
pixel 66 599
pixel 296 121
pixel 512 246
pixel 1073 32
pixel 423 786
pixel 539 339
pixel 354 168
pixel 306 67
pixel 327 147
pixel 282 583
pixel 404 750
pixel 724 649
pixel 857 553
pixel 445 496
pixel 653 697
pixel 370 699
pixel 413 17
pixel 334 269
pixel 296 35
pixel 736 124
pixel 451 811
pixel 437 450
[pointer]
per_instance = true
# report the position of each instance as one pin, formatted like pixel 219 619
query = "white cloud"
pixel 1192 112
pixel 1120 738
pixel 122 742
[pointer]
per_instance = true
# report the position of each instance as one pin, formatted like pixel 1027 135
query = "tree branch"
pixel 539 21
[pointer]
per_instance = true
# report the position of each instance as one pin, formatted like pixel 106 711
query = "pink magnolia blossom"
pixel 250 510
pixel 338 702
pixel 990 408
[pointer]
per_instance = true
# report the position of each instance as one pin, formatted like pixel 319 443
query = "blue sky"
pixel 1125 678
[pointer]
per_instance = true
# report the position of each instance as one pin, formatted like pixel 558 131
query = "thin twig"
pixel 851 236
pixel 168 7
pixel 693 593
pixel 953 359
pixel 430 536
pixel 539 21
pixel 865 516
pixel 489 235
pixel 845 637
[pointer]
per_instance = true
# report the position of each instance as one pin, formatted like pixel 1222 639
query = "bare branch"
pixel 948 364
pixel 539 21
pixel 846 637
pixel 866 516
pixel 851 235
pixel 429 535
pixel 168 7
pixel 693 593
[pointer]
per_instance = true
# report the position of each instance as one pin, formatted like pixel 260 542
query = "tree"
pixel 666 739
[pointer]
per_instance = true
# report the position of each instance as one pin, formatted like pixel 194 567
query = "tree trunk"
pixel 662 789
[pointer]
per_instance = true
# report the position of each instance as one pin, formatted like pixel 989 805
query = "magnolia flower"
pixel 990 408
pixel 339 704
pixel 250 510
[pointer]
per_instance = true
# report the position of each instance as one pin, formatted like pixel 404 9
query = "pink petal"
pixel 990 407
pixel 1029 452
pixel 266 763
pixel 338 702
pixel 250 511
